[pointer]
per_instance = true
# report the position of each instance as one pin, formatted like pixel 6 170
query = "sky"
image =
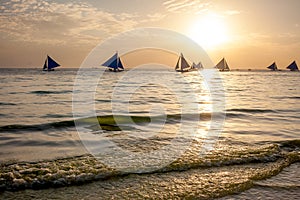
pixel 248 33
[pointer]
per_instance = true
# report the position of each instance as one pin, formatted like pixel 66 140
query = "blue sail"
pixel 114 63
pixel 120 65
pixel 293 66
pixel 45 65
pixel 273 66
pixel 50 64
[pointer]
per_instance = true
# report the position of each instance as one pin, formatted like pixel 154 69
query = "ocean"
pixel 149 134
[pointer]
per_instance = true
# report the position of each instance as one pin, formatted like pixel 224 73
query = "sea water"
pixel 255 153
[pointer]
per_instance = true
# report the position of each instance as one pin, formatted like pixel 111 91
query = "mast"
pixel 118 59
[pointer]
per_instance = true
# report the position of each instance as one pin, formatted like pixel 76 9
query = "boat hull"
pixel 115 70
pixel 178 70
pixel 194 69
pixel 224 70
pixel 48 70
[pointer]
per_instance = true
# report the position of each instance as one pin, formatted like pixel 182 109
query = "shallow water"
pixel 152 143
pixel 283 186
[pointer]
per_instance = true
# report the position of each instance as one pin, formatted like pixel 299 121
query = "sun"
pixel 209 31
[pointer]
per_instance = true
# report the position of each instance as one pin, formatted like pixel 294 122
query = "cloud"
pixel 268 39
pixel 232 12
pixel 42 21
pixel 195 7
pixel 155 17
pixel 184 6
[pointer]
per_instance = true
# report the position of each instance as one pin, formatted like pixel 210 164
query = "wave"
pixel 258 161
pixel 42 92
pixel 33 143
pixel 108 122
pixel 39 127
pixel 287 97
pixel 246 110
pixel 56 116
pixel 7 104
pixel 112 122
pixel 103 100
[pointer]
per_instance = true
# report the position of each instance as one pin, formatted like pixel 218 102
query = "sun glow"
pixel 209 31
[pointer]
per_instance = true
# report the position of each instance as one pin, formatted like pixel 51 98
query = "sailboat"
pixel 273 67
pixel 293 66
pixel 50 64
pixel 199 66
pixel 222 65
pixel 193 66
pixel 182 65
pixel 196 67
pixel 114 63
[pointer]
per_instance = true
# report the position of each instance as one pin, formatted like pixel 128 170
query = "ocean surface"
pixel 149 133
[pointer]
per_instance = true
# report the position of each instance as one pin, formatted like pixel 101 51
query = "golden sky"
pixel 248 33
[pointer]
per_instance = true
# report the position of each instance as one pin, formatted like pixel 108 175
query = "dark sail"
pixel 222 65
pixel 273 66
pixel 182 65
pixel 50 64
pixel 111 62
pixel 177 64
pixel 199 66
pixel 120 65
pixel 45 65
pixel 114 63
pixel 293 66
